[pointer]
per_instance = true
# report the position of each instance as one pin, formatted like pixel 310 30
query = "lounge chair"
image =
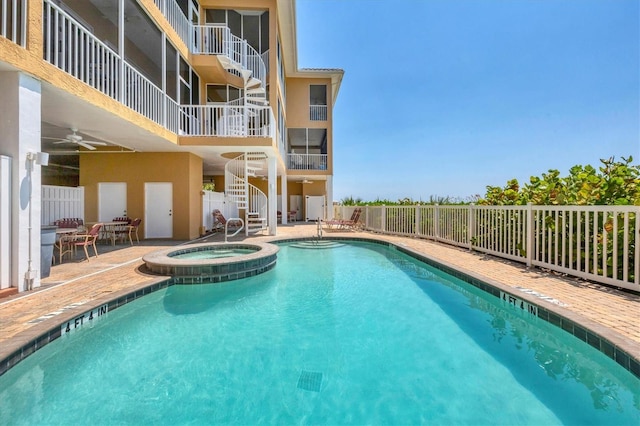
pixel 219 221
pixel 345 223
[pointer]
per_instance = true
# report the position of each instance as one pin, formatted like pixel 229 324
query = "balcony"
pixel 74 49
pixel 307 161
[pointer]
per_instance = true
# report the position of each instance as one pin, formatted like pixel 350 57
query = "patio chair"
pixel 219 221
pixel 88 239
pixel 129 231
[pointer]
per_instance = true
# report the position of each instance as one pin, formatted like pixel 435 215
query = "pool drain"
pixel 310 380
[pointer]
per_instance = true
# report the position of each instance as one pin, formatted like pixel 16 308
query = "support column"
pixel 284 196
pixel 272 170
pixel 329 213
pixel 20 135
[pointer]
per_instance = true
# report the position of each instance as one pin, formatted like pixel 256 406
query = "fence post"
pixel 417 224
pixel 436 222
pixel 383 219
pixel 529 244
pixel 471 229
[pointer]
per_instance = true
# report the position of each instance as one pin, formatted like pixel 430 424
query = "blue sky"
pixel 445 97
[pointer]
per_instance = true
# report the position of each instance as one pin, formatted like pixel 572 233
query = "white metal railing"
pixel 265 60
pixel 176 18
pixel 216 39
pixel 142 96
pixel 226 121
pixel 598 243
pixel 71 47
pixel 13 21
pixel 318 112
pixel 307 161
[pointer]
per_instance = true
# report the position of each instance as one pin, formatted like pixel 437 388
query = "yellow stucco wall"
pixel 183 170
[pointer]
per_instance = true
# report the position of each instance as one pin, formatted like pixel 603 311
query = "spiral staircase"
pixel 247 197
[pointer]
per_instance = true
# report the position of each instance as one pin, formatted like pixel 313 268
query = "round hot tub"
pixel 212 262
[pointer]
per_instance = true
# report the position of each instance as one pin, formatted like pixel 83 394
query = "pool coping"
pixel 617 347
pixel 197 271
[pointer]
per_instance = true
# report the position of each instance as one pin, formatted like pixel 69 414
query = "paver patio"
pixel 74 287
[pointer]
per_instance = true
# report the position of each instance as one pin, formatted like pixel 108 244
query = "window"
pixel 318 94
pixel 318 102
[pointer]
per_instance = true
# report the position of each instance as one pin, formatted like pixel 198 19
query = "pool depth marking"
pixel 88 318
pixel 519 303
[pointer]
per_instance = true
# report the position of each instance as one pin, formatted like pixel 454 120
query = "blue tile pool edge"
pixel 561 320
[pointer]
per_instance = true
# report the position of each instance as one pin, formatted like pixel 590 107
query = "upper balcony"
pixel 307 162
pixel 72 47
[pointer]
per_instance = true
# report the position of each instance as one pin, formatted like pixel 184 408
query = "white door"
pixel 158 210
pixel 314 208
pixel 112 200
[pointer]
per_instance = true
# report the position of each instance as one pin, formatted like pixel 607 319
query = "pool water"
pixel 214 253
pixel 358 334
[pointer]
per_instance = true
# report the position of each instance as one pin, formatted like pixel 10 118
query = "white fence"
pixel 59 202
pixel 598 243
pixel 216 200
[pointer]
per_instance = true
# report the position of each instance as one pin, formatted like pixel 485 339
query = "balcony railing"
pixel 318 112
pixel 176 18
pixel 307 161
pixel 13 21
pixel 72 48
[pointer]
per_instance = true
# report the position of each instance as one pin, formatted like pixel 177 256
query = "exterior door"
pixel 314 208
pixel 158 210
pixel 112 200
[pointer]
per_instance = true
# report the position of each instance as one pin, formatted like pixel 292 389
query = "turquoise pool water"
pixel 217 252
pixel 357 334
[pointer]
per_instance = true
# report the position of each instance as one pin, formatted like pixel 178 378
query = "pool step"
pixel 317 244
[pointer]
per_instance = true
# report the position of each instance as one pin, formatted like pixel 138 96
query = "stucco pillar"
pixel 272 220
pixel 329 188
pixel 20 135
pixel 284 196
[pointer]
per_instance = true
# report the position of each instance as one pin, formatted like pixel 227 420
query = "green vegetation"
pixel 614 183
pixel 433 200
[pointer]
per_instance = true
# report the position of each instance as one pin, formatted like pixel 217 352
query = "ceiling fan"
pixel 78 140
pixel 305 180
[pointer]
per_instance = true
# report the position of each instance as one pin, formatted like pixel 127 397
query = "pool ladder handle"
pixel 226 227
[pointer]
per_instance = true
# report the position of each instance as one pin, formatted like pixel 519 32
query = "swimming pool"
pixel 354 334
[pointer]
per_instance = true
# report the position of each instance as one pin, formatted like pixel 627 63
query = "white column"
pixel 19 135
pixel 272 220
pixel 329 188
pixel 285 199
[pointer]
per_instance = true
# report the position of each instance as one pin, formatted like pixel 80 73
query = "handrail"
pixel 226 227
pixel 217 39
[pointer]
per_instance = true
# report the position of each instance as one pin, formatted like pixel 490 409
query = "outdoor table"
pixel 108 230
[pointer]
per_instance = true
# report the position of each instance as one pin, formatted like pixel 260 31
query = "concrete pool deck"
pixel 77 286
